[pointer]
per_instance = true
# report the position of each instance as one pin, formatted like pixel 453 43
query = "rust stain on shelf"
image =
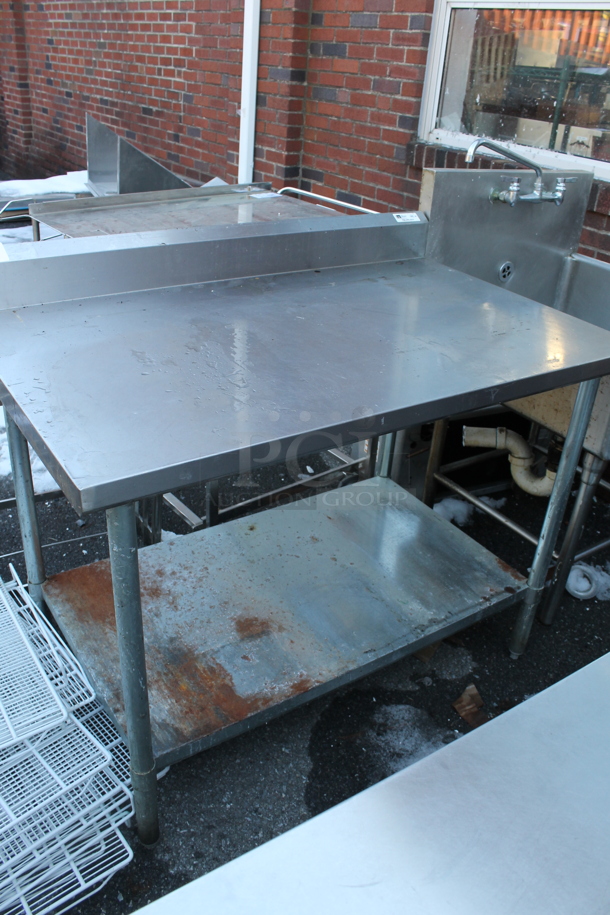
pixel 192 694
pixel 510 571
pixel 200 696
pixel 250 627
pixel 87 590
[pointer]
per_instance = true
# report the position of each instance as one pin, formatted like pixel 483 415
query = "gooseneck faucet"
pixel 512 195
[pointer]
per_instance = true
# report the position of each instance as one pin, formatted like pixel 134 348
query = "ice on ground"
pixel 451 662
pixel 493 503
pixel 72 183
pixel 459 511
pixel 586 581
pixel 42 479
pixel 455 510
pixel 403 734
pixel 168 535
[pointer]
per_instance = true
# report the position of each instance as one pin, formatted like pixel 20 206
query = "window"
pixel 529 75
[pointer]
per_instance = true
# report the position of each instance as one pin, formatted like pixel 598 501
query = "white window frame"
pixel 439 37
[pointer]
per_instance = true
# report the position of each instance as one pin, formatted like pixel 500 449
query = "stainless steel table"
pixel 175 209
pixel 126 396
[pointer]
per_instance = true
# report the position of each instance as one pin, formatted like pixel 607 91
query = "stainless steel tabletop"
pixel 127 396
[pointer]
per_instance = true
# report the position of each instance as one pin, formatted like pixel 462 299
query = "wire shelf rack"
pixel 59 664
pixel 28 703
pixel 64 787
pixel 42 768
pixel 27 842
pixel 77 869
pixel 98 722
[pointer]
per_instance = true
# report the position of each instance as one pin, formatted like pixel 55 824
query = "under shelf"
pixel 245 620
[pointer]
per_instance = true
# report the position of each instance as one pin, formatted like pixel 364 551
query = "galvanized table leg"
pixel 148 519
pixel 434 460
pixel 26 509
pixel 554 514
pixel 123 545
pixel 398 454
pixel 211 503
pixel 385 451
pixel 593 467
pixel 371 465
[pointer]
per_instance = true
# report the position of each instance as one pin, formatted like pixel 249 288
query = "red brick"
pixel 181 58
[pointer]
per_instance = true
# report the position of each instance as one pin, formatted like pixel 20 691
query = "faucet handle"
pixel 560 189
pixel 511 195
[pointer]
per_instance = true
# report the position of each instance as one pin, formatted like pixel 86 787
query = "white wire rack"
pixel 39 863
pixel 98 722
pixel 66 674
pixel 64 788
pixel 28 703
pixel 59 664
pixel 36 771
pixel 26 843
pixel 80 867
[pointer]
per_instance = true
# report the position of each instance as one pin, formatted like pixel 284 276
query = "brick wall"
pixel 364 84
pixel 339 91
pixel 163 73
pixel 595 239
pixel 15 104
pixel 282 75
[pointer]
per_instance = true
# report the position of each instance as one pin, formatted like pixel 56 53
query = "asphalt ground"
pixel 227 800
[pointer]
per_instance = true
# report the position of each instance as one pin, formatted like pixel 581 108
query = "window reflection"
pixel 537 77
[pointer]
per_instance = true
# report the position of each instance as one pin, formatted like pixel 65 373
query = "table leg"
pixel 26 509
pixel 385 453
pixel 371 464
pixel 211 503
pixel 123 546
pixel 400 439
pixel 434 460
pixel 148 519
pixel 592 470
pixel 554 515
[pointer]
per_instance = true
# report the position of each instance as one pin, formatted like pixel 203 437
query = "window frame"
pixel 439 37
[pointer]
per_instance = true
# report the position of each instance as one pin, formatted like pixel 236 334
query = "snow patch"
pixel 586 581
pixel 455 510
pixel 493 503
pixel 451 663
pixel 72 183
pixel 168 535
pixel 459 511
pixel 404 734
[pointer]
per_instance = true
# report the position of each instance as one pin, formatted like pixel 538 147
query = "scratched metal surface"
pixel 246 619
pixel 124 396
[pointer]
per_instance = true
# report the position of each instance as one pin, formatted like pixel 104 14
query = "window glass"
pixel 537 77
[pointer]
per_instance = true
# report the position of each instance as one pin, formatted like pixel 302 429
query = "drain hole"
pixel 506 271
